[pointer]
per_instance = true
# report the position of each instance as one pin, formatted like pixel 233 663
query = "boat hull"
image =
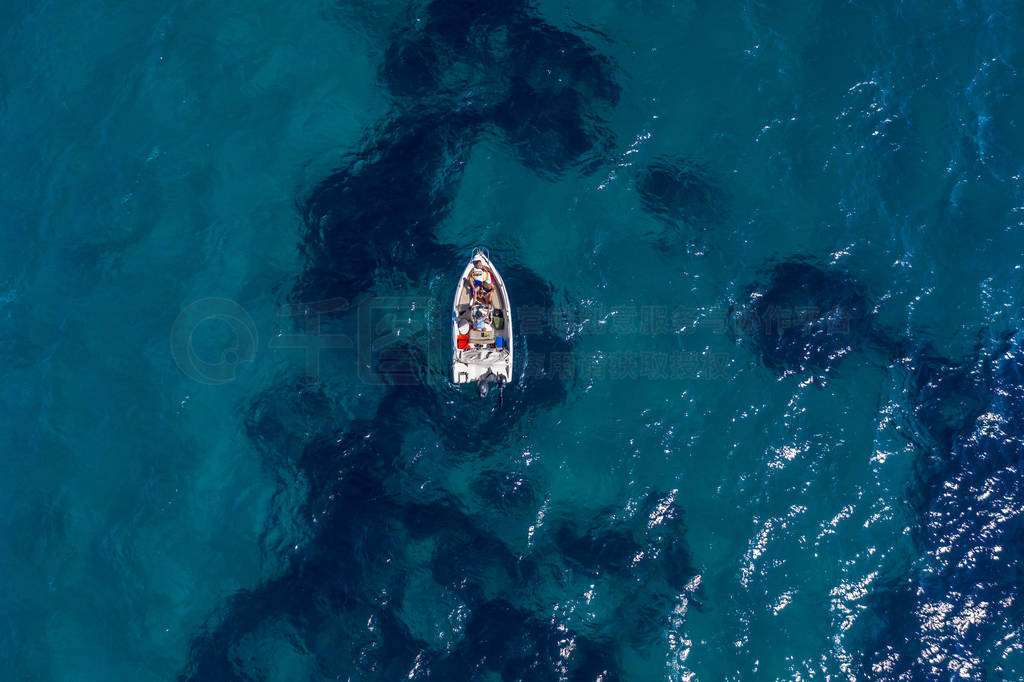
pixel 489 353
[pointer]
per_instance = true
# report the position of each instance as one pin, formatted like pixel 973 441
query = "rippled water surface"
pixel 765 262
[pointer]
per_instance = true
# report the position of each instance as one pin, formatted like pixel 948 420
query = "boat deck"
pixel 462 312
pixel 483 357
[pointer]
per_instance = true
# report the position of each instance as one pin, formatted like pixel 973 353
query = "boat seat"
pixel 485 336
pixel 477 355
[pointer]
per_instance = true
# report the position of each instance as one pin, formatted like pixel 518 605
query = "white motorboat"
pixel 482 348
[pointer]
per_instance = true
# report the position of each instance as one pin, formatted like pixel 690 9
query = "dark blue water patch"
pixel 280 412
pixel 891 631
pixel 412 67
pixel 547 90
pixel 383 207
pixel 550 60
pixel 358 517
pixel 543 87
pixel 965 590
pixel 945 397
pixel 340 571
pixel 454 52
pixel 559 92
pixel 513 494
pixel 362 524
pixel 681 193
pixel 514 644
pixel 643 560
pixel 541 389
pixel 307 598
pixel 804 318
pixel 462 24
pixel 550 131
pixel 648 547
pixel 380 212
pixel 597 549
pixel 466 559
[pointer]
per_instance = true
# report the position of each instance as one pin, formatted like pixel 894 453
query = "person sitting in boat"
pixel 484 296
pixel 480 277
pixel 481 316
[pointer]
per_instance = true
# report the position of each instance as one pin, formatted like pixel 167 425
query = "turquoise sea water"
pixel 766 259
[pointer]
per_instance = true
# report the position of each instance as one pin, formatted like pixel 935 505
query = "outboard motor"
pixel 484 386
